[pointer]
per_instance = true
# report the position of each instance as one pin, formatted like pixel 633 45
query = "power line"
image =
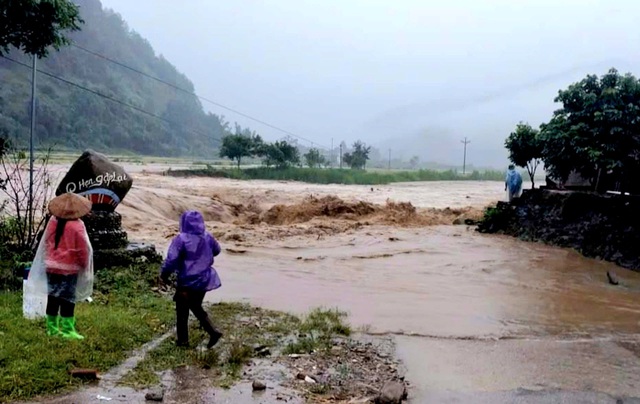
pixel 108 97
pixel 133 69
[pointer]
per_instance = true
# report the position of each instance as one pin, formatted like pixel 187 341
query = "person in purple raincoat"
pixel 191 256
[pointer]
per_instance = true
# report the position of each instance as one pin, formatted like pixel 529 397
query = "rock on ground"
pixel 155 395
pixel 392 393
pixel 258 386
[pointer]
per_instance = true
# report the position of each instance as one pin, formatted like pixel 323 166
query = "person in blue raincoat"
pixel 191 255
pixel 513 183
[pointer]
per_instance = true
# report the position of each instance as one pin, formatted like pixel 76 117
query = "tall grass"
pixel 338 176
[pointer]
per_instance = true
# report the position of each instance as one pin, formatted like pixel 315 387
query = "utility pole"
pixel 331 153
pixel 389 159
pixel 340 155
pixel 31 157
pixel 464 161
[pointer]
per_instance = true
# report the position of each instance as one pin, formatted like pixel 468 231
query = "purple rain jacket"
pixel 191 255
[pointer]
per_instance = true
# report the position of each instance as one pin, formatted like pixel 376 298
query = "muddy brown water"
pixel 472 313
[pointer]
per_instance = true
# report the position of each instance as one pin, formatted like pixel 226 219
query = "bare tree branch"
pixel 22 210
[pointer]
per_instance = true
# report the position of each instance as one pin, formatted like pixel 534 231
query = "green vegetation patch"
pixel 338 176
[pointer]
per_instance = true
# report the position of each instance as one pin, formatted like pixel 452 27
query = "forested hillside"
pixel 70 117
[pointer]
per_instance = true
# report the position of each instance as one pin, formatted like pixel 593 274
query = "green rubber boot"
pixel 53 325
pixel 68 328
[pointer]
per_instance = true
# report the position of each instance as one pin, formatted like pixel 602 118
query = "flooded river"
pixel 472 313
pixel 476 318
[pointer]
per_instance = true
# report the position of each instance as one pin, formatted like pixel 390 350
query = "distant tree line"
pixel 245 144
pixel 595 133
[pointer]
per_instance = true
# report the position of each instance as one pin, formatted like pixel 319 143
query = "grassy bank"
pixel 124 315
pixel 338 176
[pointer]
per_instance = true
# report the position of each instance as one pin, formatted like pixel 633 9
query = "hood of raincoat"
pixel 192 222
pixel 191 254
pixel 192 230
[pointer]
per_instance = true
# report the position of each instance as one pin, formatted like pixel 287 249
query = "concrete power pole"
pixel 464 161
pixel 340 155
pixel 389 159
pixel 31 157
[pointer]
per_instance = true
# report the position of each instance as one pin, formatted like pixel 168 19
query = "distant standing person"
pixel 513 183
pixel 63 266
pixel 191 256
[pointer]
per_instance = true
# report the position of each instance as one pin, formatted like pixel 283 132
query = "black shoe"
pixel 215 337
pixel 182 344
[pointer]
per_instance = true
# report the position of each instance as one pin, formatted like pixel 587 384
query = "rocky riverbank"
pixel 598 226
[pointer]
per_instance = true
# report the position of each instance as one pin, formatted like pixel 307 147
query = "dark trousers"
pixel 62 294
pixel 187 299
pixel 57 305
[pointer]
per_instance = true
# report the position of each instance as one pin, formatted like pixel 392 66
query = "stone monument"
pixel 105 184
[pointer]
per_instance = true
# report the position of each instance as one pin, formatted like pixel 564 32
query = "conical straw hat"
pixel 69 206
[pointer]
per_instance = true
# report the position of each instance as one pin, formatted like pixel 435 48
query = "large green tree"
pixel 357 158
pixel 314 158
pixel 34 25
pixel 240 145
pixel 597 130
pixel 281 154
pixel 525 149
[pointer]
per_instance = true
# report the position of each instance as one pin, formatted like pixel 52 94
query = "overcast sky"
pixel 425 71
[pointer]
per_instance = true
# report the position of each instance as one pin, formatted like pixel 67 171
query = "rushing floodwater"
pixel 488 314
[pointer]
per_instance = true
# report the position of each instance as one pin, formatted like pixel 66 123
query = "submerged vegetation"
pixel 338 176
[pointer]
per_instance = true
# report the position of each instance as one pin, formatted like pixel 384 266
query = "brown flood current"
pixel 476 318
pixel 441 282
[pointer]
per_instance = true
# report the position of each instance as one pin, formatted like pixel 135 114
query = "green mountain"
pixel 173 122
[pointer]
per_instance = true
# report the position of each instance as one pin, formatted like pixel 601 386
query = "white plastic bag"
pixel 33 303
